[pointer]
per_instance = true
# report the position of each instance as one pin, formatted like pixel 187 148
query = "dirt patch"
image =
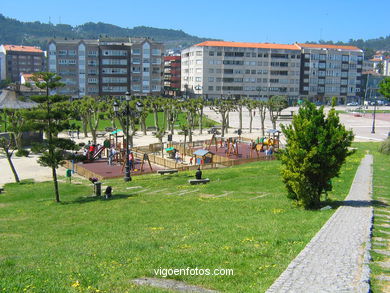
pixel 171 285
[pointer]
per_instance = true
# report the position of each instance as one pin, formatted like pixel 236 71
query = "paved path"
pixel 336 259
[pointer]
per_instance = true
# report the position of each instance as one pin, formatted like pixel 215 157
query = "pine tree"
pixel 316 148
pixel 52 117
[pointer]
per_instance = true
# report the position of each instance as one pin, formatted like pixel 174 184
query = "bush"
pixel 384 148
pixel 316 148
pixel 22 153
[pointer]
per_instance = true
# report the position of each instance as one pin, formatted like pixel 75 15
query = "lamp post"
pixel 373 117
pixel 127 177
pixel 128 112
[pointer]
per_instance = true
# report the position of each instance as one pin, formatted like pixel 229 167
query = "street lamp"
pixel 127 177
pixel 128 112
pixel 373 118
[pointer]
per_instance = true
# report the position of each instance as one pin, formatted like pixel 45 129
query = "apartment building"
pixel 261 70
pixel 16 60
pixel 172 75
pixel 77 62
pixel 330 70
pixel 108 66
pixel 146 67
pixel 254 70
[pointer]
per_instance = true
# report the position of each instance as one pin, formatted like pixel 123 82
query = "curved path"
pixel 337 258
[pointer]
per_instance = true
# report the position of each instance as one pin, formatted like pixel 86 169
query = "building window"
pixel 156 52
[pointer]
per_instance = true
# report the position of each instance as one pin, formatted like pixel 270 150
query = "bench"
pixel 168 171
pixel 285 117
pixel 198 181
pixel 1 190
pixel 100 133
pixel 151 128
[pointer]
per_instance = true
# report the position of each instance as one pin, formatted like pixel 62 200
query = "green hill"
pixel 36 33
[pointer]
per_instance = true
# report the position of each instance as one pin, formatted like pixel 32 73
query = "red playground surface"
pixel 101 168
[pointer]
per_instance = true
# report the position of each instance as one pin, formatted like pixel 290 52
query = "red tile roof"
pixel 326 46
pixel 22 48
pixel 247 45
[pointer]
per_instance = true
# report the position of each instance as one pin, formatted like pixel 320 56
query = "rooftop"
pixel 22 48
pixel 247 45
pixel 328 46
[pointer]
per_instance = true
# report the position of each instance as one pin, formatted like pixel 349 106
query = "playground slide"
pixel 99 151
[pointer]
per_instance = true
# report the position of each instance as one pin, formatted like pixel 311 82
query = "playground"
pixel 108 160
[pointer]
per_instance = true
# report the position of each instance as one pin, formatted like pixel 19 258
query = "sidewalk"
pixel 337 258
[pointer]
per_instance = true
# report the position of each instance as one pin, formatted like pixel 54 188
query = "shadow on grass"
pixel 355 203
pixel 86 199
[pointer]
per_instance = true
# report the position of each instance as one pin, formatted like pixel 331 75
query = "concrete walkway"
pixel 337 258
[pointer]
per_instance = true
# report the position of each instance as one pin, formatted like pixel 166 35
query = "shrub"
pixel 22 153
pixel 384 148
pixel 316 148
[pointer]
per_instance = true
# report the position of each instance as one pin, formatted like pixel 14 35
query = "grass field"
pixel 242 220
pixel 382 196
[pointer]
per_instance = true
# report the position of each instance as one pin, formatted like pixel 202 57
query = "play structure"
pixel 203 157
pixel 231 147
pixel 214 140
pixel 265 143
pixel 133 161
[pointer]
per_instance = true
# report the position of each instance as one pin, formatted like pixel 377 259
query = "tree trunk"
pixel 227 122
pixel 201 121
pixel 155 113
pixel 262 126
pixel 19 141
pixel 11 164
pixel 143 124
pixel 240 116
pixel 85 129
pixel 185 140
pixel 54 172
pixel 223 124
pixel 250 120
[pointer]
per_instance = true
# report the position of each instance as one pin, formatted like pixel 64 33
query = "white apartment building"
pixel 262 70
pixel 254 70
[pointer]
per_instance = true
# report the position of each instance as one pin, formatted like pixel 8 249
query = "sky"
pixel 278 21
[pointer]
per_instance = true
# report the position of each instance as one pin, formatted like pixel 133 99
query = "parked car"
pixel 353 104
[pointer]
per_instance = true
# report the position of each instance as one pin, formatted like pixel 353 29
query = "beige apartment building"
pixel 108 66
pixel 254 70
pixel 330 71
pixel 261 70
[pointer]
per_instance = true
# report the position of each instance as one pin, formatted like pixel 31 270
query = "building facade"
pixel 262 70
pixel 254 70
pixel 172 75
pixel 16 60
pixel 108 66
pixel 330 71
pixel 76 61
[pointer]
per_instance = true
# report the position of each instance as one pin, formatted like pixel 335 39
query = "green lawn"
pixel 86 244
pixel 381 195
